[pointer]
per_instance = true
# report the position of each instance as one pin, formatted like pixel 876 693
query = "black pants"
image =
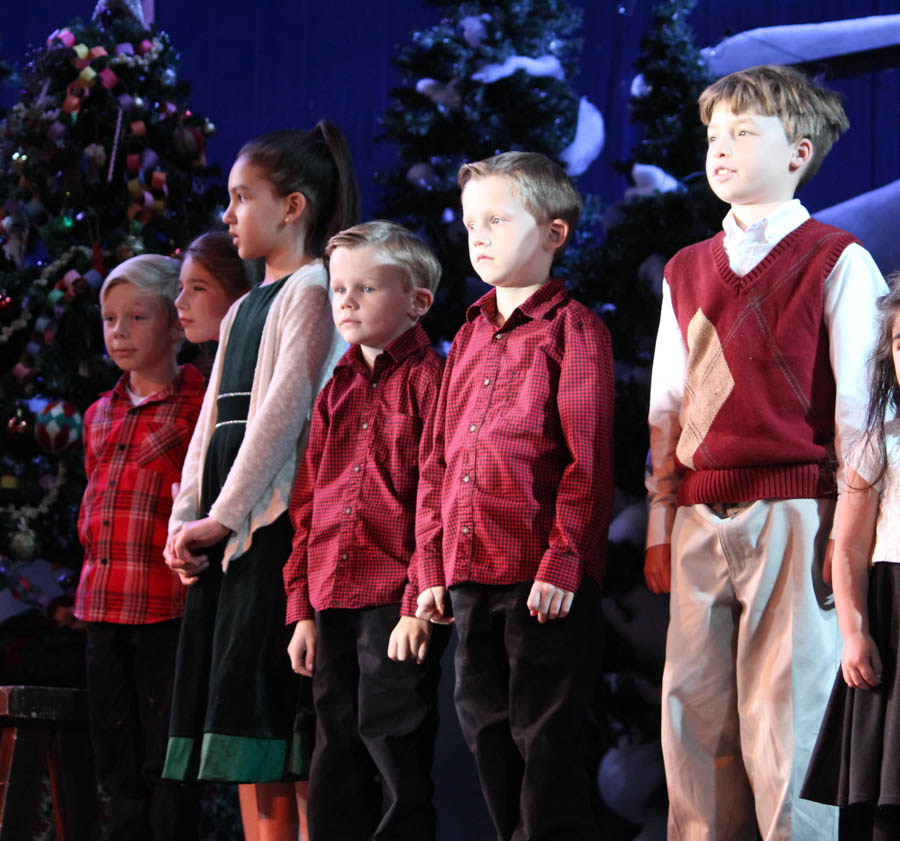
pixel 523 694
pixel 129 677
pixel 376 721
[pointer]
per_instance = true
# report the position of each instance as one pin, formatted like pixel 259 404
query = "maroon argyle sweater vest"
pixel 757 421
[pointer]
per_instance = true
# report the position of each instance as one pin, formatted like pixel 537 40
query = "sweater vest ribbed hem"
pixel 747 484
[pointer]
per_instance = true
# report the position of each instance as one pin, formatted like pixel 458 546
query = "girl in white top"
pixel 857 756
pixel 236 715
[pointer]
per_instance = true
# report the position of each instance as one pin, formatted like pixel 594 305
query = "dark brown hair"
pixel 804 108
pixel 215 251
pixel 316 163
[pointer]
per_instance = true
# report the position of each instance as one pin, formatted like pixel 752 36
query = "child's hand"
pixel 860 662
pixel 409 639
pixel 658 568
pixel 547 601
pixel 430 606
pixel 302 647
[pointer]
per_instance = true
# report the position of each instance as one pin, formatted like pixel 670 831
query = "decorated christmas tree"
pixel 100 159
pixel 491 76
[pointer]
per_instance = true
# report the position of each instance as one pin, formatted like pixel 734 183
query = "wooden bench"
pixel 45 727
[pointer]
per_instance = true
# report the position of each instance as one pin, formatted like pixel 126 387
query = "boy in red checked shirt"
pixel 375 666
pixel 135 440
pixel 515 499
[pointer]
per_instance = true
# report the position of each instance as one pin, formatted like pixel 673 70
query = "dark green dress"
pixel 235 711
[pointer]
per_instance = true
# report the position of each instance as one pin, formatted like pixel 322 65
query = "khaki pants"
pixel 752 649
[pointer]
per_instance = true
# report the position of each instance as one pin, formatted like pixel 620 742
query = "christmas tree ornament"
pixel 57 426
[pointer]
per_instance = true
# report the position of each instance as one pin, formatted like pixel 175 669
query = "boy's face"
pixel 508 247
pixel 138 333
pixel 371 304
pixel 750 163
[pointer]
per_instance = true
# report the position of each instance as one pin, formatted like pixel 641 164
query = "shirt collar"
pixel 394 353
pixel 770 229
pixel 188 379
pixel 549 295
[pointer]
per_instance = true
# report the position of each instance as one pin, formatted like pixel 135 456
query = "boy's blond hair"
pixel 804 108
pixel 542 186
pixel 397 246
pixel 151 273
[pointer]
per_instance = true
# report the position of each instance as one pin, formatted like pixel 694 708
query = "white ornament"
pixel 650 179
pixel 473 29
pixel 438 93
pixel 639 87
pixel 589 136
pixel 546 65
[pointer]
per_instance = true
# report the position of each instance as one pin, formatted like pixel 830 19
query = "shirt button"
pixel 466 478
pixel 465 529
pixel 487 380
pixel 103 561
pixel 344 557
pixel 106 522
pixel 112 483
pixel 364 425
pixel 375 384
pixel 356 468
pixel 121 446
pixel 348 510
pixel 473 427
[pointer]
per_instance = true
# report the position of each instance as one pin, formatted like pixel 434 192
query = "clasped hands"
pixel 182 547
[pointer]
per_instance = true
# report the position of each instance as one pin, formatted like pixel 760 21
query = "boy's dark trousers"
pixel 523 695
pixel 129 675
pixel 376 721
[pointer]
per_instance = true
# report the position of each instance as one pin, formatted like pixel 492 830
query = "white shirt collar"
pixel 770 229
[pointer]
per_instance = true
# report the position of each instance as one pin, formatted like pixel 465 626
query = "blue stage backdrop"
pixel 277 63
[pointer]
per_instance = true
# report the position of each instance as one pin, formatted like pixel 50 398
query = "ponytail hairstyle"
pixel 215 251
pixel 316 163
pixel 884 390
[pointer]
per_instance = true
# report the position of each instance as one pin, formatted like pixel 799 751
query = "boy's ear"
pixel 557 233
pixel 296 204
pixel 420 302
pixel 803 150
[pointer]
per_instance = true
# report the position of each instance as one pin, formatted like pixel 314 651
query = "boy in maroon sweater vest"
pixel 758 390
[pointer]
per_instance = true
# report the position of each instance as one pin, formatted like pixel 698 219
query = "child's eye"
pixel 368 288
pixel 338 290
pixel 496 220
pixel 711 139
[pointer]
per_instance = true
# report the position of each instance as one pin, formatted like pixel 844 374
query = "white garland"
pixel 56 266
pixel 24 516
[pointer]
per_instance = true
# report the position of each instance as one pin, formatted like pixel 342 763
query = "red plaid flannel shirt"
pixel 353 504
pixel 518 484
pixel 132 455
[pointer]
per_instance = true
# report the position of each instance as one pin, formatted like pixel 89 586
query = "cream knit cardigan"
pixel 297 353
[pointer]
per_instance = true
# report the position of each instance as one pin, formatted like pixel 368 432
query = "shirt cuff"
pixel 409 603
pixel 561 569
pixel 431 573
pixel 659 524
pixel 298 607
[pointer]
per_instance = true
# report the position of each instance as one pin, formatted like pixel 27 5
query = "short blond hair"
pixel 151 273
pixel 804 108
pixel 542 186
pixel 397 246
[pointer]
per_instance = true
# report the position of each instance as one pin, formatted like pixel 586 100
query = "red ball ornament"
pixel 57 426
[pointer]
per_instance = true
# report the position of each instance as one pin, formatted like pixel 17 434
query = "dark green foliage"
pixel 67 218
pixel 469 120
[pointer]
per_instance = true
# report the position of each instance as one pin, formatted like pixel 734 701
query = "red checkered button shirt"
pixel 353 504
pixel 518 484
pixel 132 455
